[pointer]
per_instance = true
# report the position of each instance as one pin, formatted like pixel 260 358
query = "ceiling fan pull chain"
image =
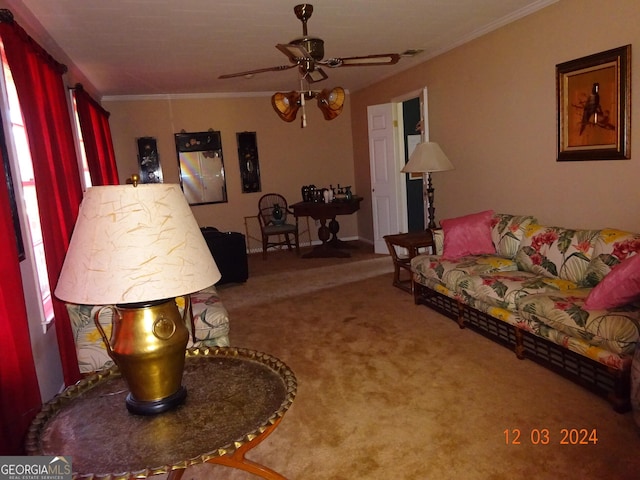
pixel 303 119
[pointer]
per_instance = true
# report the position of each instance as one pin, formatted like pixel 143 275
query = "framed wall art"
pixel 148 160
pixel 594 106
pixel 249 162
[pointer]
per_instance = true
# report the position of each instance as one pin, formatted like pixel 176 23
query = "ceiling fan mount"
pixel 313 45
pixel 307 53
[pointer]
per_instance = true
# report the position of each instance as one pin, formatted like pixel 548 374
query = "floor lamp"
pixel 428 157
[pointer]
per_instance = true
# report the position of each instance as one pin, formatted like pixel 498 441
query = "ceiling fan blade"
pixel 316 75
pixel 259 70
pixel 294 52
pixel 367 60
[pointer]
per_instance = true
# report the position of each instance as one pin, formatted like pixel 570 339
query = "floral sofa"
pixel 565 298
pixel 209 326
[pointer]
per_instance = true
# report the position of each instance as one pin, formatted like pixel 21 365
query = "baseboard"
pixel 312 244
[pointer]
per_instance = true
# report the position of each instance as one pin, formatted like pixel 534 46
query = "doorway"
pixel 394 129
pixel 413 183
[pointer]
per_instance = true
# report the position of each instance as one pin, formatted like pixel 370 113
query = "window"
pixel 26 188
pixel 84 166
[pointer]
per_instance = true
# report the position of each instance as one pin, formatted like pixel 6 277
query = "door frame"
pixel 424 137
pixel 395 105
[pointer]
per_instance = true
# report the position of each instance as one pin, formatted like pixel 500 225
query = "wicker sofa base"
pixel 614 385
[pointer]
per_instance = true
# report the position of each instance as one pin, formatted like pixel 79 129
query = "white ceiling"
pixel 150 47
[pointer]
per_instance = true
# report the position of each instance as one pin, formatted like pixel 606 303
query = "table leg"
pixel 176 474
pixel 335 242
pixel 237 459
pixel 328 248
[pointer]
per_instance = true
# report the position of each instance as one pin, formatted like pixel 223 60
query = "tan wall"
pixel 492 108
pixel 290 156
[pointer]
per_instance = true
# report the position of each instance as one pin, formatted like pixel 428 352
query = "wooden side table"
pixel 235 399
pixel 412 243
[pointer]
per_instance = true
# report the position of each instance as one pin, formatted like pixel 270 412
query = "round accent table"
pixel 236 398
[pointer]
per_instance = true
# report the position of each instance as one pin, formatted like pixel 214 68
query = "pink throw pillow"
pixel 468 235
pixel 619 287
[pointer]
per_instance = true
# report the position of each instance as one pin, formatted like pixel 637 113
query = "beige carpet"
pixel 391 390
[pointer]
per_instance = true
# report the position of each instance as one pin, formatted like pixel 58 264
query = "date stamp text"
pixel 546 436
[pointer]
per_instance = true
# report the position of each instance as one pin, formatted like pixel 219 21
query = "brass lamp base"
pixel 153 407
pixel 148 344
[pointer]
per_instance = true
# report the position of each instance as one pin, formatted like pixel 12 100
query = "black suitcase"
pixel 229 250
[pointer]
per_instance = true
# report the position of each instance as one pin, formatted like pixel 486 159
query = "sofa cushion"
pixel 620 287
pixel 468 235
pixel 90 350
pixel 616 330
pixel 448 272
pixel 506 289
pixel 556 252
pixel 210 318
pixel 507 231
pixel 611 247
pixel 438 240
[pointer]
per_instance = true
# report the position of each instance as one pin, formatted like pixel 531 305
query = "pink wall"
pixel 492 108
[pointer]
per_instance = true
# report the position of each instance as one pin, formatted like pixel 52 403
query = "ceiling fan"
pixel 307 53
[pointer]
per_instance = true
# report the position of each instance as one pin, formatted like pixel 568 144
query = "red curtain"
pixel 43 99
pixel 19 392
pixel 96 134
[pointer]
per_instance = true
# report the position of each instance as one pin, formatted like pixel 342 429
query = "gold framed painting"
pixel 594 106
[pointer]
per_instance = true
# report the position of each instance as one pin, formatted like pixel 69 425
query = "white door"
pixel 385 173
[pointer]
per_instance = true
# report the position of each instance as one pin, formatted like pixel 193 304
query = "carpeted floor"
pixel 391 390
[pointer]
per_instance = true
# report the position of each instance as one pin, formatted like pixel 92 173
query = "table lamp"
pixel 428 157
pixel 134 249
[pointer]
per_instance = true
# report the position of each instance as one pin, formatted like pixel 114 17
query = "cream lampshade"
pixel 135 248
pixel 428 157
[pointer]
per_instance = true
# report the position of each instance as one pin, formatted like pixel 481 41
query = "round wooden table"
pixel 235 399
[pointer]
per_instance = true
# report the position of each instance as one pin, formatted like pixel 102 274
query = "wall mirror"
pixel 201 167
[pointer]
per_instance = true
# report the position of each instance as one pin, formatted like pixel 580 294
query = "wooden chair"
pixel 271 227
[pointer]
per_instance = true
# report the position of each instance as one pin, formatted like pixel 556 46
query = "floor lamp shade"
pixel 135 244
pixel 133 250
pixel 428 157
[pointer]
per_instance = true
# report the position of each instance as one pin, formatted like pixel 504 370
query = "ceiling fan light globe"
pixel 331 102
pixel 286 105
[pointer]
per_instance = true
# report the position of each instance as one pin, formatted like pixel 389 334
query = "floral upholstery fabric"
pixel 438 240
pixel 616 330
pixel 580 345
pixel 556 252
pixel 210 327
pixel 505 289
pixel 90 350
pixel 210 319
pixel 542 287
pixel 611 247
pixel 448 272
pixel 507 231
